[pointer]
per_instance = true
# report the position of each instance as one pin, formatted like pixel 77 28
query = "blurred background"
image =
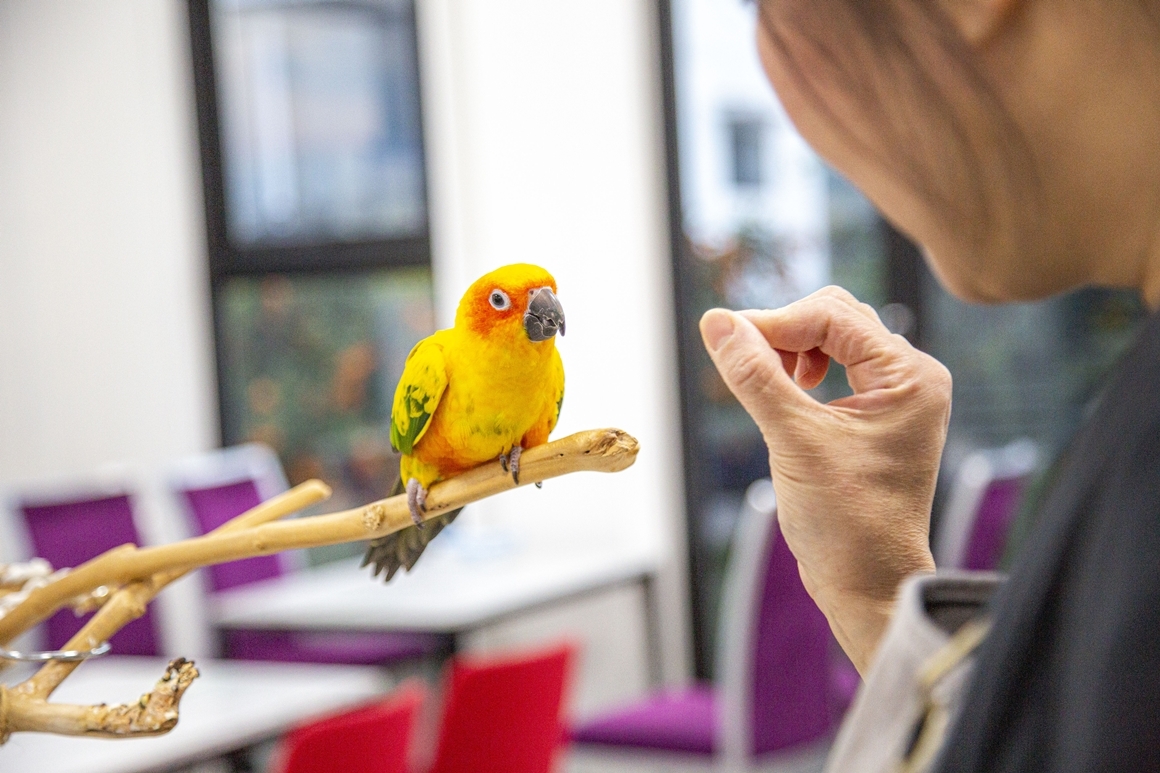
pixel 228 221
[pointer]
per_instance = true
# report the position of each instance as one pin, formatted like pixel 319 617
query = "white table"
pixel 449 592
pixel 230 706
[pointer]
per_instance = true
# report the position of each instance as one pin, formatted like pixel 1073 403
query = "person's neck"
pixel 1104 161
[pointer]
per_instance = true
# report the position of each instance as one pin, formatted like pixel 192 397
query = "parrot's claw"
pixel 539 484
pixel 416 501
pixel 514 463
pixel 510 462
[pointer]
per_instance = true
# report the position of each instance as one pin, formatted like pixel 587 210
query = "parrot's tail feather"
pixel 402 548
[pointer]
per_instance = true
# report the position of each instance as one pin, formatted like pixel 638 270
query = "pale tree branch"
pixel 138 574
pixel 155 713
pixel 26 707
pixel 130 601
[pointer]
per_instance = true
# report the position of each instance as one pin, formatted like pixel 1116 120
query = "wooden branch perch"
pixel 130 601
pixel 138 574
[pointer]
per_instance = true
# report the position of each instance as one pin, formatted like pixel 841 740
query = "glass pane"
pixel 319 110
pixel 858 258
pixel 1024 371
pixel 309 365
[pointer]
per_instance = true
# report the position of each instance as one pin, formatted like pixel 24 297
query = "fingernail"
pixel 716 327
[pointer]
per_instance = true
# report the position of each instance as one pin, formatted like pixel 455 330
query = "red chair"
pixel 372 739
pixel 504 714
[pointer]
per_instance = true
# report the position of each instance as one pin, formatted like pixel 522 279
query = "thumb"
pixel 752 369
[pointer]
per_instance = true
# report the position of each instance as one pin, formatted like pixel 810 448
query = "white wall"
pixel 544 137
pixel 105 343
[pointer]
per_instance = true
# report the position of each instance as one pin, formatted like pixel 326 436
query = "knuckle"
pixel 903 343
pixel 837 303
pixel 941 376
pixel 837 293
pixel 822 306
pixel 936 384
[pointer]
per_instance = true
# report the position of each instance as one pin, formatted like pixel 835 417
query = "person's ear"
pixel 978 20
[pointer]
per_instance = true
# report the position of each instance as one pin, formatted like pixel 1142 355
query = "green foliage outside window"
pixel 309 366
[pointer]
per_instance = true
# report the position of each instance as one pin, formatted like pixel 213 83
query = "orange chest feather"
pixel 495 395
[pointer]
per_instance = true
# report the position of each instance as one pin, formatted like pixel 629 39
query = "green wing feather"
pixel 417 396
pixel 560 394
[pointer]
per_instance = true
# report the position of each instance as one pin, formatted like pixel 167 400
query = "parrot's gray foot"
pixel 539 484
pixel 416 501
pixel 510 462
pixel 514 462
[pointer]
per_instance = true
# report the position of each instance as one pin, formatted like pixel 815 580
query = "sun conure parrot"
pixel 485 389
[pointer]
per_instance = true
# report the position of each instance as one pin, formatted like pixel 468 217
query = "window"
pixel 320 122
pixel 311 136
pixel 745 144
pixel 316 213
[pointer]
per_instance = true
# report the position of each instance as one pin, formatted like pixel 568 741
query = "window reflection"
pixel 319 110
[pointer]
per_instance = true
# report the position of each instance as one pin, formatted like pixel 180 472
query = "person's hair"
pixel 915 85
pixel 909 81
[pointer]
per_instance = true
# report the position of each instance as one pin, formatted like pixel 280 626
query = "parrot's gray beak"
pixel 545 316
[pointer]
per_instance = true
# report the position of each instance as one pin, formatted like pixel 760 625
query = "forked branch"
pixel 138 574
pixel 155 713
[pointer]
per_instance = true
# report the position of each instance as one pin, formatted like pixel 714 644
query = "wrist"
pixel 859 618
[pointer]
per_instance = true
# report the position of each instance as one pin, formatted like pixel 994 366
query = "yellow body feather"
pixel 474 391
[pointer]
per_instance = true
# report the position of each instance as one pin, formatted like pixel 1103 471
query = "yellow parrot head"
pixel 513 301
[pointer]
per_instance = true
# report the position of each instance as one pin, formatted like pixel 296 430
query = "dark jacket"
pixel 1069 677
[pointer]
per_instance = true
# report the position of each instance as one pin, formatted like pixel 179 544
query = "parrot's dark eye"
pixel 499 300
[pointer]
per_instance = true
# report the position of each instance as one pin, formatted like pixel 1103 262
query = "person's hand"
pixel 855 477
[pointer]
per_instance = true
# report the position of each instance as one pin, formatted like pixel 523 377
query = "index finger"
pixel 849 332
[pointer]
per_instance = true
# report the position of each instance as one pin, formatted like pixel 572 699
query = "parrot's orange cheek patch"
pixel 488 322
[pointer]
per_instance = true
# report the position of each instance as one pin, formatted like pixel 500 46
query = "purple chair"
pixel 214 487
pixel 775 690
pixel 69 529
pixel 982 505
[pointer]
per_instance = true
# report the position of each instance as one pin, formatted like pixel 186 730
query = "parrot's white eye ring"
pixel 499 300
